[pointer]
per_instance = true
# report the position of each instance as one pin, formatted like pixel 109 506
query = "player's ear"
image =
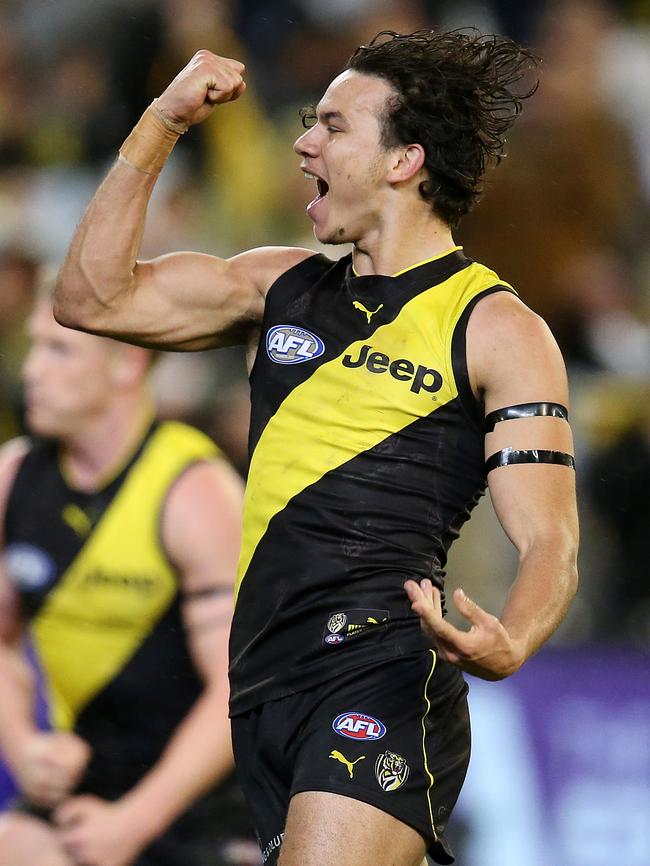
pixel 407 161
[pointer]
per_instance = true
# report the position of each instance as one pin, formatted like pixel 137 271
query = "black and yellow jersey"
pixel 366 449
pixel 101 599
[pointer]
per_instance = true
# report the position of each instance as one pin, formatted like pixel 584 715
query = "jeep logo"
pixel 421 378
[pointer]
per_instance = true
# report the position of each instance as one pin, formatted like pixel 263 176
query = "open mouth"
pixel 322 188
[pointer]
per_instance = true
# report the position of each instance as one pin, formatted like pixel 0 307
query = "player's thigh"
pixel 29 841
pixel 325 829
pixel 395 737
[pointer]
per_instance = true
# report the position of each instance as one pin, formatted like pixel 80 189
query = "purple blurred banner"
pixel 560 774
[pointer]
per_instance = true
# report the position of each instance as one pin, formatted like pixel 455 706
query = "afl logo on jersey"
pixel 29 567
pixel 287 344
pixel 357 726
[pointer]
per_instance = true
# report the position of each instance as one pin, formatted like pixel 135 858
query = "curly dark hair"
pixel 456 95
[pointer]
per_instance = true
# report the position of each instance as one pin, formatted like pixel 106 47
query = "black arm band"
pixel 511 456
pixel 525 410
pixel 205 592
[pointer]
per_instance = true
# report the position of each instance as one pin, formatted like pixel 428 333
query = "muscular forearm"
pixel 98 270
pixel 197 757
pixel 494 648
pixel 546 583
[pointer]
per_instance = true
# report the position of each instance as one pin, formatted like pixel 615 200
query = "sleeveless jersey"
pixel 366 448
pixel 101 600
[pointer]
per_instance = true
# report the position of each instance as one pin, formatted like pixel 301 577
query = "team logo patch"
pixel 347 624
pixel 391 771
pixel 340 757
pixel 337 621
pixel 287 344
pixel 358 726
pixel 29 567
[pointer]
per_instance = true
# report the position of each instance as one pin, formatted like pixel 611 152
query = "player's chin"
pixel 326 234
pixel 40 422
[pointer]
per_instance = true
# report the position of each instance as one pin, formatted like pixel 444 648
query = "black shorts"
pixel 395 736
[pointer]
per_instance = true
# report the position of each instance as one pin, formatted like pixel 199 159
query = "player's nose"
pixel 307 144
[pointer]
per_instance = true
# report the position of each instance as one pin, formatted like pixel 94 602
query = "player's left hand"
pixel 486 650
pixel 96 832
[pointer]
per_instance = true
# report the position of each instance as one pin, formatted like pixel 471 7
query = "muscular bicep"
pixel 188 301
pixel 518 371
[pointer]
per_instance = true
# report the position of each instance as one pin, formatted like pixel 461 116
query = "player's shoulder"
pixel 208 483
pixel 506 337
pixel 212 479
pixel 268 264
pixel 203 504
pixel 12 454
pixel 501 318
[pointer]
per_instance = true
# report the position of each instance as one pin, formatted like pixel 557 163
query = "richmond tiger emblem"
pixel 391 771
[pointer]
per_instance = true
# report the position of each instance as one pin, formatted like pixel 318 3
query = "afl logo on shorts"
pixel 357 726
pixel 391 771
pixel 286 344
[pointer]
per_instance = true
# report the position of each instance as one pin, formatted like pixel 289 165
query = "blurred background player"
pixel 120 539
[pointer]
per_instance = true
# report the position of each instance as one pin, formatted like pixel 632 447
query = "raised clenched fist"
pixel 206 81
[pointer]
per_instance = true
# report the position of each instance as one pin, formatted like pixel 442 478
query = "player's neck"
pixel 403 239
pixel 98 452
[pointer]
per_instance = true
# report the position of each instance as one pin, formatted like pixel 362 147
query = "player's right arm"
pixel 182 301
pixel 46 765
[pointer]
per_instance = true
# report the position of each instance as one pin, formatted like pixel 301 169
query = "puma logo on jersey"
pixel 421 378
pixel 369 313
pixel 77 520
pixel 343 760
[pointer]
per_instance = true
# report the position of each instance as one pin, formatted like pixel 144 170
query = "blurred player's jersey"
pixel 102 605
pixel 366 449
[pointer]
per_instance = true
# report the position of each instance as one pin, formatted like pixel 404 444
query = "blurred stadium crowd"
pixel 565 219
